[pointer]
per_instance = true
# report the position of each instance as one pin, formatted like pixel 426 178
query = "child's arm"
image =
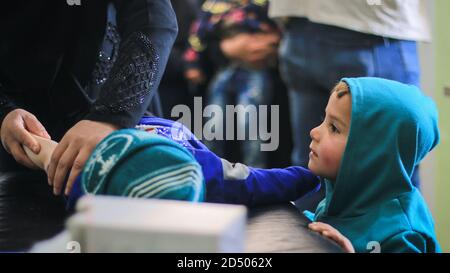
pixel 239 184
pixel 42 160
pixel 270 186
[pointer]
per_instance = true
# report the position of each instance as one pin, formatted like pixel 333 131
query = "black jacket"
pixel 67 62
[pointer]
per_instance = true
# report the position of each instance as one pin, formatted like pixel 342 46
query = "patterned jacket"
pixel 220 19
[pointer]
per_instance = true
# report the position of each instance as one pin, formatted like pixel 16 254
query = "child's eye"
pixel 334 129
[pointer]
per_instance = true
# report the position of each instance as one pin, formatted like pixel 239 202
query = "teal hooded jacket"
pixel 373 202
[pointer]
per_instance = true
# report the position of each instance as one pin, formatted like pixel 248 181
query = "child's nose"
pixel 314 134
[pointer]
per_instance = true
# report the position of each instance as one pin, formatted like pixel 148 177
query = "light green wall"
pixel 442 43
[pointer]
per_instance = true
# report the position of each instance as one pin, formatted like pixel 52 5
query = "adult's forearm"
pixel 148 30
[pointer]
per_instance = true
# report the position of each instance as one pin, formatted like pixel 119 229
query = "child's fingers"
pixel 319 227
pixel 323 225
pixel 333 235
pixel 326 230
pixel 340 239
pixel 344 243
pixel 313 227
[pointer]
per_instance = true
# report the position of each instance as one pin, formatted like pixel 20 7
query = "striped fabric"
pixel 136 164
pixel 167 182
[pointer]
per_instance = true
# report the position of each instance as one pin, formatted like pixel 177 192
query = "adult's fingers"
pixel 57 153
pixel 25 138
pixel 5 143
pixel 20 156
pixel 33 125
pixel 77 167
pixel 64 165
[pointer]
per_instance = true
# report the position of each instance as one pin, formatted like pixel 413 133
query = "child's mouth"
pixel 313 154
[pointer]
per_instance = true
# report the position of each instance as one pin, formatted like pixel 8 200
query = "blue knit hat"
pixel 133 163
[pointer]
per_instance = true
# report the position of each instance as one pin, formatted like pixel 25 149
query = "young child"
pixel 374 134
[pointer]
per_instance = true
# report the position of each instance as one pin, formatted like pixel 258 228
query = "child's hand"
pixel 333 234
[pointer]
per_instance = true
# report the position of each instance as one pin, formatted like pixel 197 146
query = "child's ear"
pixel 340 87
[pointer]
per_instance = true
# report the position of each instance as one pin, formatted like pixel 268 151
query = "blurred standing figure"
pixel 327 40
pixel 244 77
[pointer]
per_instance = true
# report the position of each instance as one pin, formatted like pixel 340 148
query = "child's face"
pixel 330 138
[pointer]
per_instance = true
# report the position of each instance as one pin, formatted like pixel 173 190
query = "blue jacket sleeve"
pixel 239 184
pixel 269 186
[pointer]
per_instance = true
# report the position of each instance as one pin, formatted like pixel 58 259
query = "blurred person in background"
pixel 244 77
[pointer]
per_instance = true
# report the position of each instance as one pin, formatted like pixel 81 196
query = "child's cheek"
pixel 329 157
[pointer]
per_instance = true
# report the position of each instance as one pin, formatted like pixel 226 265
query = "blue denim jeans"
pixel 236 85
pixel 314 57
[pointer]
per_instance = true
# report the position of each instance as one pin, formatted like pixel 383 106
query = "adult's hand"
pixel 252 49
pixel 73 151
pixel 16 130
pixel 194 76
